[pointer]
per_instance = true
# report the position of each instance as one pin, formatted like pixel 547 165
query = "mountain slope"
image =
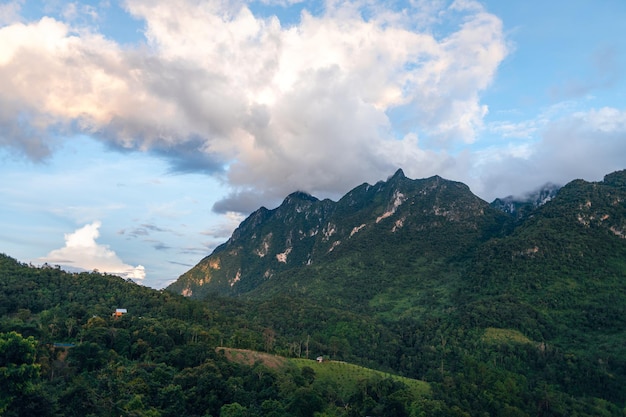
pixel 62 353
pixel 424 277
pixel 560 278
pixel 403 247
pixel 567 258
pixel 400 222
pixel 501 316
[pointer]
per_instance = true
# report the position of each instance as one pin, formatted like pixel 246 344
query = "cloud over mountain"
pixel 577 144
pixel 343 93
pixel 263 105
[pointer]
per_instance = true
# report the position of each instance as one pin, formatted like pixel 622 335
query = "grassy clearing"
pixel 345 376
pixel 348 376
pixel 505 336
pixel 250 357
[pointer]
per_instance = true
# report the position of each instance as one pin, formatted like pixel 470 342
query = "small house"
pixel 119 312
pixel 320 359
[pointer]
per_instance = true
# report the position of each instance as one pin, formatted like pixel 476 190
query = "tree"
pixel 269 337
pixel 87 356
pixel 308 374
pixel 305 403
pixel 171 400
pixel 233 410
pixel 18 371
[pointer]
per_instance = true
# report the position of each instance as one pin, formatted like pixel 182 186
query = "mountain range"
pixel 401 232
pixel 428 257
pixel 547 272
pixel 514 308
pixel 395 222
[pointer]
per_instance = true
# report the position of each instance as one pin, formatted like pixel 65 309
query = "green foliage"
pixel 346 378
pixel 233 410
pixel 459 312
pixel 18 370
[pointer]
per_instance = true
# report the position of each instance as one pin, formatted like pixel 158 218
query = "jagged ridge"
pixel 431 217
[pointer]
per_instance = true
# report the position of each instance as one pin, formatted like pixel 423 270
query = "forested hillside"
pixel 63 352
pixel 499 315
pixel 424 278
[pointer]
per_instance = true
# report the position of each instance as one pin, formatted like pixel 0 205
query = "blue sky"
pixel 136 135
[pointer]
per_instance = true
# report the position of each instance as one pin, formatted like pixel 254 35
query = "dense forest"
pixel 489 316
pixel 64 353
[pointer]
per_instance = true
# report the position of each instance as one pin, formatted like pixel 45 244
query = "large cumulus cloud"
pixel 339 97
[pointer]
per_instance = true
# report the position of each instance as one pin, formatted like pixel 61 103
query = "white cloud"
pixel 306 106
pixel 81 251
pixel 10 12
pixel 283 3
pixel 222 229
pixel 75 11
pixel 583 144
pixel 519 130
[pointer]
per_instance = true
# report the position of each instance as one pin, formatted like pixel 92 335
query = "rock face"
pixel 401 217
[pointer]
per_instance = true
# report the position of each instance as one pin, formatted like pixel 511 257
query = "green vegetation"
pixel 64 353
pixel 18 371
pixel 505 336
pixel 348 377
pixel 463 314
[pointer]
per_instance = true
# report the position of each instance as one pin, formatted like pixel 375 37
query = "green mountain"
pixel 394 233
pixel 492 313
pixel 443 277
pixel 400 244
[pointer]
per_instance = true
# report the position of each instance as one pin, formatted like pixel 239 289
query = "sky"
pixel 136 135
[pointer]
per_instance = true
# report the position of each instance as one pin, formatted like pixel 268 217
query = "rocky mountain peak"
pixel 393 222
pixel 305 231
pixel 399 174
pixel 299 196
